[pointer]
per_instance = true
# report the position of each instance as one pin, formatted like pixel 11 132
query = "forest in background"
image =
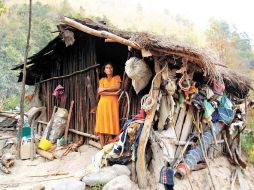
pixel 224 39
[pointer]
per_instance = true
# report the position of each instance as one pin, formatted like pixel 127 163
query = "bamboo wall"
pixel 77 57
pixel 82 55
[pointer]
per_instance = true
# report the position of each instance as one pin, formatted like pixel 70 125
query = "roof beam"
pixel 100 34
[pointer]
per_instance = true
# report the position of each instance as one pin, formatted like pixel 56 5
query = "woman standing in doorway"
pixel 107 115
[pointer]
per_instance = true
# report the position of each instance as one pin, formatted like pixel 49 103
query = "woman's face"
pixel 108 69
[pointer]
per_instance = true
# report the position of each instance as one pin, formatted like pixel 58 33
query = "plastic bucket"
pixel 44 144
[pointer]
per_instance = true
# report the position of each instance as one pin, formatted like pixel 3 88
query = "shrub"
pixel 248 140
pixel 12 102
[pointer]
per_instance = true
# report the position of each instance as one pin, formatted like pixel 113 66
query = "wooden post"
pixel 141 163
pixel 68 123
pixel 157 164
pixel 22 98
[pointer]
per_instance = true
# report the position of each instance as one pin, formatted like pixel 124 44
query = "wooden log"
pixel 109 40
pixel 206 161
pixel 227 145
pixel 68 123
pixel 46 154
pixel 95 144
pixel 179 123
pixel 176 113
pixel 84 134
pixel 9 115
pixel 157 164
pixel 186 129
pixel 141 163
pixel 133 172
pixel 7 129
pixel 100 34
pixel 8 137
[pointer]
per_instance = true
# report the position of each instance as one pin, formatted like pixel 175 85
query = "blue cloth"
pixel 215 116
pixel 194 155
pixel 225 102
pixel 226 115
pixel 167 176
pixel 127 143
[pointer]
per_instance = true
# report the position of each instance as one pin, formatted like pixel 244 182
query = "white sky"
pixel 237 12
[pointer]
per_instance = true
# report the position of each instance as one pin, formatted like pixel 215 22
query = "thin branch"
pixel 22 98
pixel 69 75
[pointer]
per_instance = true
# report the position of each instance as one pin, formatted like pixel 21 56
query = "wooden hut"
pixel 73 59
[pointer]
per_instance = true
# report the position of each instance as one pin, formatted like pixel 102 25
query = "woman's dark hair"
pixel 103 74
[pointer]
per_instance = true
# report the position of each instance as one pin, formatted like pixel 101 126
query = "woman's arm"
pixel 110 89
pixel 115 93
pixel 113 89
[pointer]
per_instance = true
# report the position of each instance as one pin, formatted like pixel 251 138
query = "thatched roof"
pixel 211 66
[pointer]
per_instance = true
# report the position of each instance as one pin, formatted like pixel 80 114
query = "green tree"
pixel 13 31
pixel 232 46
pixel 3 9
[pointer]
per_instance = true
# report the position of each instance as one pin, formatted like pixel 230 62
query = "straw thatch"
pixel 209 63
pixel 211 66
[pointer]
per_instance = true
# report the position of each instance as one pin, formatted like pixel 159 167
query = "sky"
pixel 236 12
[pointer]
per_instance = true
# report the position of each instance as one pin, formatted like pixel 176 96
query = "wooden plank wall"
pixel 77 57
pixel 80 56
pixel 184 126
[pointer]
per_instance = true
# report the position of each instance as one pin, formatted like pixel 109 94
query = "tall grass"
pixel 248 138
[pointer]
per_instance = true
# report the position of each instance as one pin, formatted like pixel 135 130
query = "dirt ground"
pixel 27 174
pixel 24 174
pixel 222 172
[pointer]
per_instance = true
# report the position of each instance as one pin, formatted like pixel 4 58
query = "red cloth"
pixel 59 90
pixel 141 115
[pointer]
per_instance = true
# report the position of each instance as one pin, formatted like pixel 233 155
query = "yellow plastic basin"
pixel 45 144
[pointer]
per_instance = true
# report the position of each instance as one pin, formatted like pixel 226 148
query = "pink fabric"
pixel 218 87
pixel 59 90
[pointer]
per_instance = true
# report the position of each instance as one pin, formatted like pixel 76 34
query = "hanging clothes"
pixel 107 115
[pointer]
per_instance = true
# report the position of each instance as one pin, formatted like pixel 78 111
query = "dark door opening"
pixel 111 52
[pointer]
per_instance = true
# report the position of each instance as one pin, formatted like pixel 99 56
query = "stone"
pixel 102 176
pixel 121 182
pixel 69 184
pixel 121 170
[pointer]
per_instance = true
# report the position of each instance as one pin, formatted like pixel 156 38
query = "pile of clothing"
pixel 216 113
pixel 124 150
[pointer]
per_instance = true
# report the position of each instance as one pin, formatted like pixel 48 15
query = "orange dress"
pixel 107 115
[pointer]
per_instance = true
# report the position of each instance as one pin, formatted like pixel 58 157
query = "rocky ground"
pixel 27 174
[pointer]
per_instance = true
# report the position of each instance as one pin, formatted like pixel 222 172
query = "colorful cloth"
pixel 124 140
pixel 167 177
pixel 59 91
pixel 226 115
pixel 107 115
pixel 218 87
